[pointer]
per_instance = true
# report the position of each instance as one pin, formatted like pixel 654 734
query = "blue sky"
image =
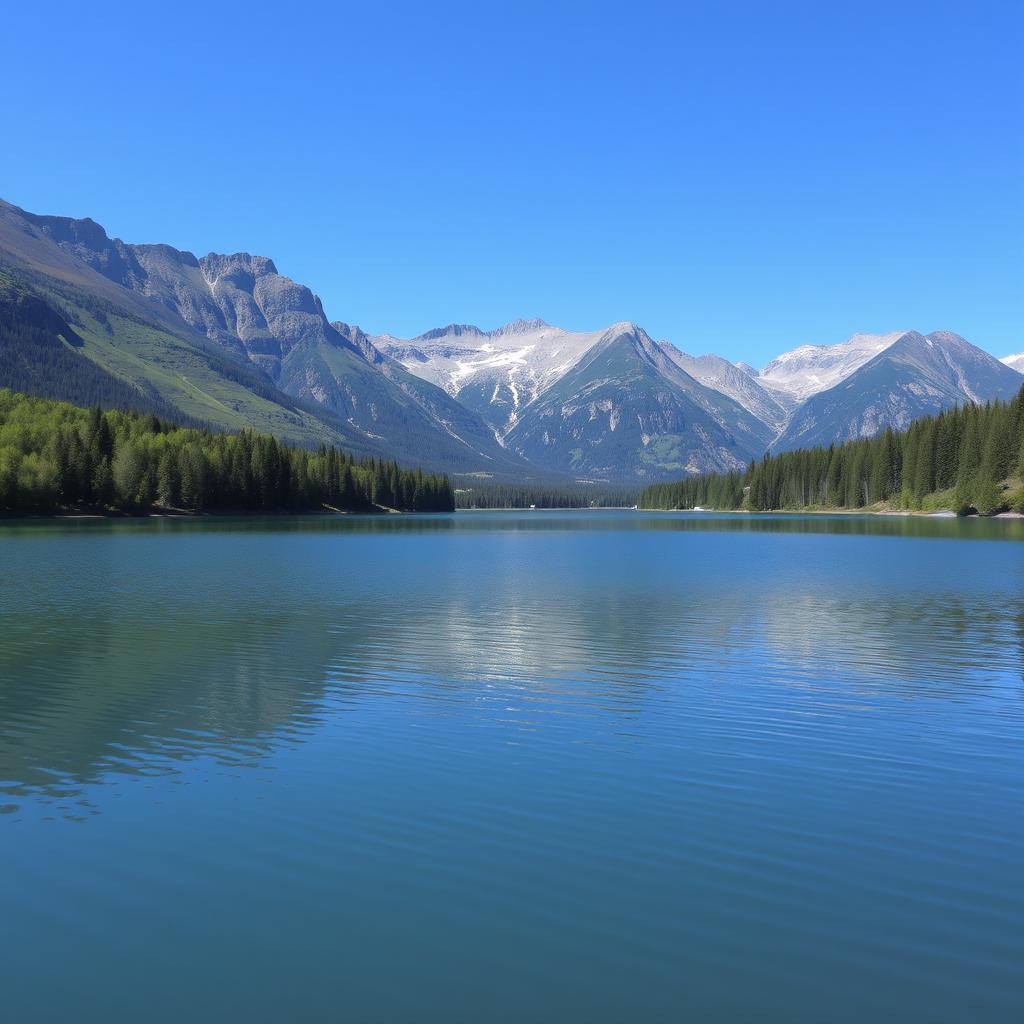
pixel 738 178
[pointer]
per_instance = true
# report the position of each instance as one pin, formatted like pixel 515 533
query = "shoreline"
pixel 892 513
pixel 208 514
pixel 328 512
pixel 564 508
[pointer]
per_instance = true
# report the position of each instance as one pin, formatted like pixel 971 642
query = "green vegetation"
pixel 488 495
pixel 58 341
pixel 40 353
pixel 55 456
pixel 969 459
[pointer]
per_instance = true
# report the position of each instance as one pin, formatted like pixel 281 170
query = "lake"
pixel 594 766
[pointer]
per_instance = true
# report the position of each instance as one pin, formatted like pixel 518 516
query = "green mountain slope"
pixel 228 341
pixel 40 355
pixel 94 351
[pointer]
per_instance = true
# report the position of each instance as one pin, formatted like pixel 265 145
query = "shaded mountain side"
pixel 804 371
pixel 625 412
pixel 344 380
pixel 39 356
pixel 915 376
pixel 178 377
pixel 255 327
pixel 229 341
pixel 749 431
pixel 27 247
pixel 457 419
pixel 771 408
pixel 494 373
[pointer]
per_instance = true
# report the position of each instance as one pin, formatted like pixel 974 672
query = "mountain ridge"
pixel 914 376
pixel 243 307
pixel 625 395
pixel 228 340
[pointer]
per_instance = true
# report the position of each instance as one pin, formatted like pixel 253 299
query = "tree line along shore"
pixel 967 460
pixel 477 495
pixel 56 457
pixel 59 458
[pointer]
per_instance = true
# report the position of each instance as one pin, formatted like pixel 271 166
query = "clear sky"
pixel 737 177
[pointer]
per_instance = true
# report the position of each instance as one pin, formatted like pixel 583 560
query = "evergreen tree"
pixel 971 450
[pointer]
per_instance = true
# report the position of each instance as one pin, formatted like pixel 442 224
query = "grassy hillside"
pixel 84 348
pixel 40 353
pixel 230 341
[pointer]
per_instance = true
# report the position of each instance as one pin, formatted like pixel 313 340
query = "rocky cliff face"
pixel 522 398
pixel 625 411
pixel 243 305
pixel 239 301
pixel 742 385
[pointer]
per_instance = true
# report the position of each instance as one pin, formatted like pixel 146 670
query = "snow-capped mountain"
pixel 806 370
pixel 571 401
pixel 739 382
pixel 228 341
pixel 608 403
pixel 270 336
pixel 910 377
pixel 495 373
pixel 626 411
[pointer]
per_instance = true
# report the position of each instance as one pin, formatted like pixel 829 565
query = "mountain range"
pixel 228 341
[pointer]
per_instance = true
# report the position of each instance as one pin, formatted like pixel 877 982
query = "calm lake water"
pixel 598 766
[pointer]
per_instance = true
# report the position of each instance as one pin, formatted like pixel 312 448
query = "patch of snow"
pixel 525 357
pixel 806 370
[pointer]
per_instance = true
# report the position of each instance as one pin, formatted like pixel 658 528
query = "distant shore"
pixel 898 513
pixel 560 508
pixel 250 514
pixel 206 513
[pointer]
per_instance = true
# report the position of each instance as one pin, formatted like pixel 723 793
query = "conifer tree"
pixel 168 487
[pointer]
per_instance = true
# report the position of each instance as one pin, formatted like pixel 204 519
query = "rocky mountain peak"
pixel 161 253
pixel 609 402
pixel 84 231
pixel 809 369
pixel 452 330
pixel 521 327
pixel 216 265
pixel 629 328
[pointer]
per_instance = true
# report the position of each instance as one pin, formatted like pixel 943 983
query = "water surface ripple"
pixel 508 766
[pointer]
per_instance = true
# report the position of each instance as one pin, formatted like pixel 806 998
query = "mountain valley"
pixel 228 341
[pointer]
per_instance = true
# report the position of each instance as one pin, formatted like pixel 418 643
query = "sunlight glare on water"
pixel 595 766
